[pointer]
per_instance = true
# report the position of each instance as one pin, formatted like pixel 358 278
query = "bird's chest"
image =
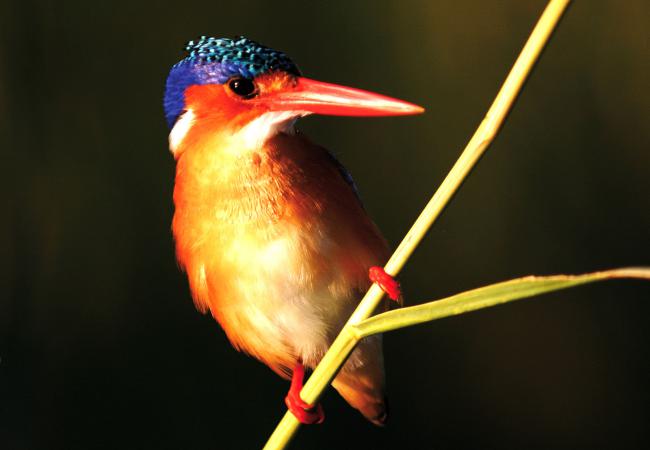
pixel 261 256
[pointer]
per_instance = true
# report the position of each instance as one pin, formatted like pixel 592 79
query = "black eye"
pixel 243 87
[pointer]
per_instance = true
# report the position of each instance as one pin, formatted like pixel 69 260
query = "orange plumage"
pixel 270 231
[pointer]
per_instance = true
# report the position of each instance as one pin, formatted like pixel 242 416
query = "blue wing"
pixel 345 175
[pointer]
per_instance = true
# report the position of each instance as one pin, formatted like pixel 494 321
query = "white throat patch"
pixel 255 133
pixel 181 127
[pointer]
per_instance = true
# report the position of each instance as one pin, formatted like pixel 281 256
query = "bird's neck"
pixel 227 179
pixel 238 136
pixel 239 172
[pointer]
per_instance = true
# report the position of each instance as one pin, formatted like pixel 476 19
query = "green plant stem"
pixel 485 297
pixel 478 144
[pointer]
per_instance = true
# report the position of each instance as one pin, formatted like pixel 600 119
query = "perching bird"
pixel 268 225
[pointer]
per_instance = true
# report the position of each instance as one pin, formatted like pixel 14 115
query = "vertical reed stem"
pixel 478 144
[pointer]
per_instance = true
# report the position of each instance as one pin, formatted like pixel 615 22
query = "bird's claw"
pixel 386 282
pixel 305 413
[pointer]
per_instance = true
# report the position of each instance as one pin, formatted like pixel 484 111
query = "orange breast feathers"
pixel 274 241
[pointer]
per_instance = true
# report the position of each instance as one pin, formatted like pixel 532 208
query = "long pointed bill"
pixel 331 99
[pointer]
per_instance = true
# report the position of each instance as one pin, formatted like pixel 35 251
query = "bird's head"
pixel 244 87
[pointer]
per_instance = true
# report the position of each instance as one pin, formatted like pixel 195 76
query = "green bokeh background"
pixel 100 344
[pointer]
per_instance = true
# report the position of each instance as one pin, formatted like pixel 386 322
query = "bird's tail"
pixel 369 403
pixel 363 386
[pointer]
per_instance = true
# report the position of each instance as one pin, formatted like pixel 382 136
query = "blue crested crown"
pixel 214 61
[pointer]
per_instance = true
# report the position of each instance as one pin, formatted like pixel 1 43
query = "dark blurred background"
pixel 100 344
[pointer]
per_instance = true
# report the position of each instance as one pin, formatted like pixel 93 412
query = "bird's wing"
pixel 344 174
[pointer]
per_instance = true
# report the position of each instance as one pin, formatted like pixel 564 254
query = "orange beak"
pixel 318 97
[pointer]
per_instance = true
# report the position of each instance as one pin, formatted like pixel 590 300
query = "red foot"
pixel 304 412
pixel 386 282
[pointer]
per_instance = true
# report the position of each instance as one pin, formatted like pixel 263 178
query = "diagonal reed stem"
pixel 486 297
pixel 478 144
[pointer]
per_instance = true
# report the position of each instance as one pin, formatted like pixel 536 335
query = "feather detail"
pixel 180 130
pixel 277 247
pixel 362 386
pixel 269 124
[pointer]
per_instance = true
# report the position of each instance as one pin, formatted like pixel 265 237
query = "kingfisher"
pixel 268 225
